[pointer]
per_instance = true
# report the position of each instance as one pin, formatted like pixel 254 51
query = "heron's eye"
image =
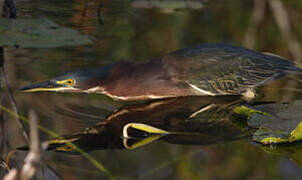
pixel 69 147
pixel 69 82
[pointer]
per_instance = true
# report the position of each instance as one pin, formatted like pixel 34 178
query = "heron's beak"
pixel 50 145
pixel 47 145
pixel 43 86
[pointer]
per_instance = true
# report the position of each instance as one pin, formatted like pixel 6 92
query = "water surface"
pixel 137 34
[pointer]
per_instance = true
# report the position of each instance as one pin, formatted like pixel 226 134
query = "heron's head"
pixel 73 81
pixel 75 144
pixel 68 144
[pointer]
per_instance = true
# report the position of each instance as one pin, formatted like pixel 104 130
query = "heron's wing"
pixel 224 69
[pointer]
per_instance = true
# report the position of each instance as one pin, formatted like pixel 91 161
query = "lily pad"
pixel 38 33
pixel 276 122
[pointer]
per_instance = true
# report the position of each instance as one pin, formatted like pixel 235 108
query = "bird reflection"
pixel 188 120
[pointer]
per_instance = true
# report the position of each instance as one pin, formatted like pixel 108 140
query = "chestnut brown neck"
pixel 150 80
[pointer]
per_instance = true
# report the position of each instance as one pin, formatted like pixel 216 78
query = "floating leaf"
pixel 296 134
pixel 277 122
pixel 38 33
pixel 268 136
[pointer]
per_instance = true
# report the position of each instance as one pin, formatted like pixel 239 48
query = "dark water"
pixel 219 147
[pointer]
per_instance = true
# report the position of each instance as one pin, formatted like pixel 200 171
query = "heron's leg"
pixel 230 106
pixel 202 110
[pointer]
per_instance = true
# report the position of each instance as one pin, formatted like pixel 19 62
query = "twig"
pixel 13 101
pixel 1 56
pixel 33 158
pixel 84 12
pixel 3 137
pixel 8 9
pixel 1 101
pixel 12 8
pixel 8 158
pixel 4 142
pixel 4 165
pixel 282 20
pixel 12 14
pixel 99 11
pixel 97 164
pixel 1 8
pixel 12 175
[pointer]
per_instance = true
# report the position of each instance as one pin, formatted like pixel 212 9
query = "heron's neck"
pixel 130 81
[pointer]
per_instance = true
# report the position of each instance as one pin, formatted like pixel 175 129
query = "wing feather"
pixel 225 69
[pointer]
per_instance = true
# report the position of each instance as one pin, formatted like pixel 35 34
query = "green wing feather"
pixel 225 69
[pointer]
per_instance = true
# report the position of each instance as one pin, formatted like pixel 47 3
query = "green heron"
pixel 201 70
pixel 179 115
